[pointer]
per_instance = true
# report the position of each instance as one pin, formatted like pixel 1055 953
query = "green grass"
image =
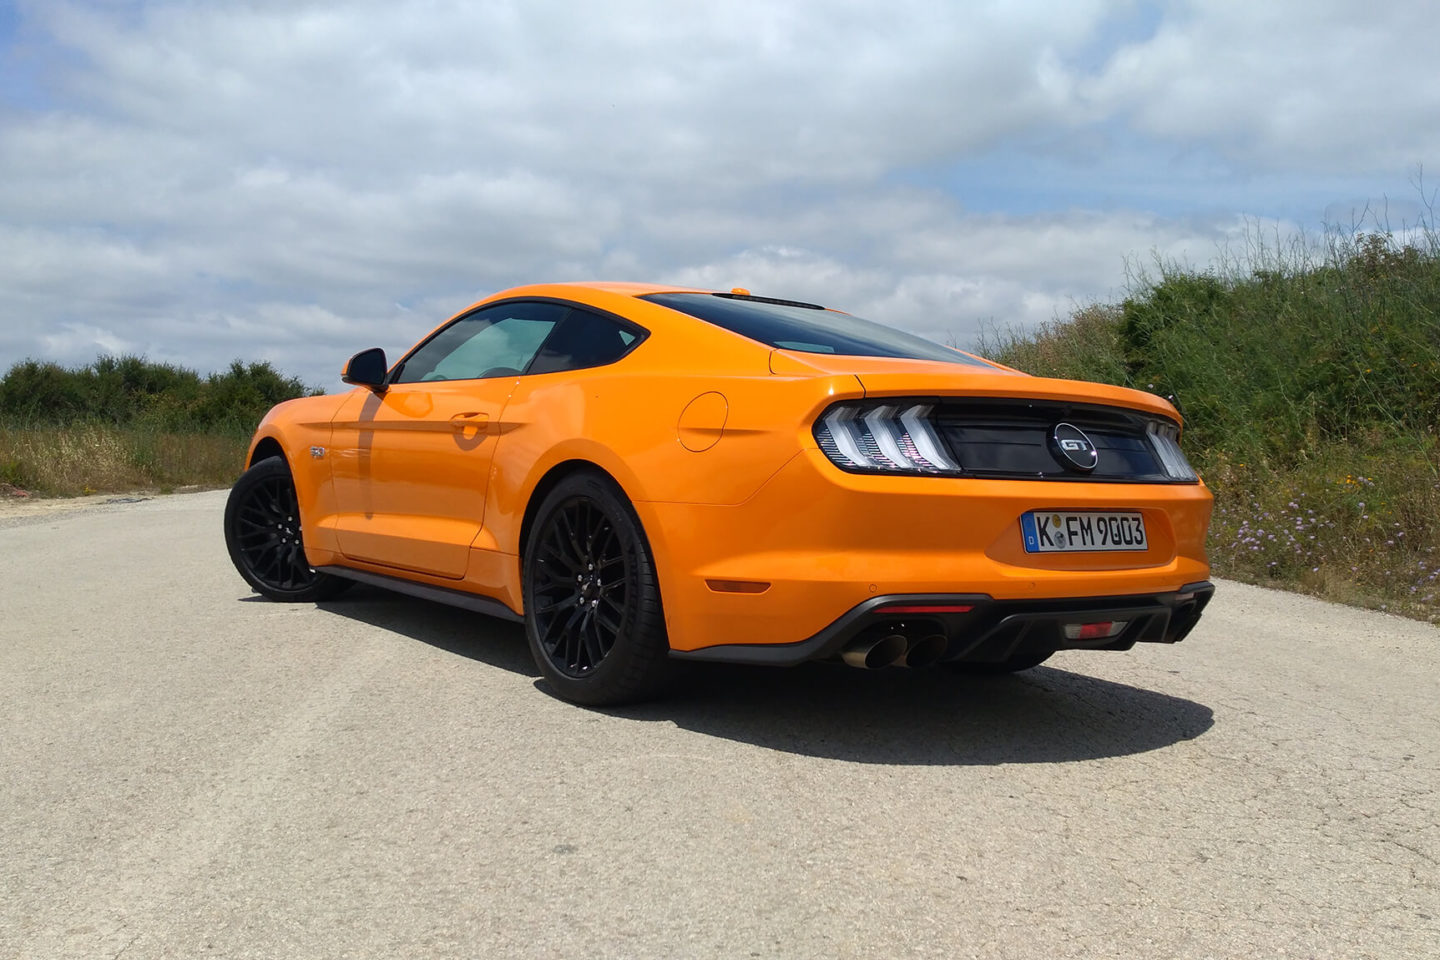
pixel 1310 383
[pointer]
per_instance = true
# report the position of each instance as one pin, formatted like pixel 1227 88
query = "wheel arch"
pixel 635 663
pixel 311 476
pixel 265 448
pixel 548 482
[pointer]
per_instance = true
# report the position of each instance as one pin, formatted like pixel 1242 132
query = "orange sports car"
pixel 646 473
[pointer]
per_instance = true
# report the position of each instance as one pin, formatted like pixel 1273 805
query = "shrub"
pixel 125 391
pixel 1310 384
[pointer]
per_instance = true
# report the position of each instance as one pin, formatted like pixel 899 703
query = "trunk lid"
pixel 886 376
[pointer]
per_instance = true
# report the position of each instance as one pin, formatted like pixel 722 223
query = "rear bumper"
pixel 981 629
pixel 814 543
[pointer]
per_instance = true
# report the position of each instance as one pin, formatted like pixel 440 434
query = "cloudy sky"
pixel 200 180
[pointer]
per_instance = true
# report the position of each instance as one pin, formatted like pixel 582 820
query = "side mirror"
pixel 367 369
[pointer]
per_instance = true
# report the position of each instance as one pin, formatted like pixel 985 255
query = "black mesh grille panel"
pixel 1012 439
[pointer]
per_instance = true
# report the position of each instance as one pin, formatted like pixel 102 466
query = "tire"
pixel 592 600
pixel 1013 664
pixel 262 534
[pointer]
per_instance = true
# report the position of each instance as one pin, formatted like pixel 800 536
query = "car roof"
pixel 630 289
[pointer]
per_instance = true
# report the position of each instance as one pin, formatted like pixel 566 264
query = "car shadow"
pixel 486 640
pixel 926 717
pixel 834 712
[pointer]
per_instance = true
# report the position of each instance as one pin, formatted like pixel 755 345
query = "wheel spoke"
pixel 557 604
pixel 549 577
pixel 577 533
pixel 594 645
pixel 604 619
pixel 572 639
pixel 553 634
pixel 603 546
pixel 557 548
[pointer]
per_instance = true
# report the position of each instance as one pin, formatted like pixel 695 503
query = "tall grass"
pixel 124 423
pixel 1309 377
pixel 85 458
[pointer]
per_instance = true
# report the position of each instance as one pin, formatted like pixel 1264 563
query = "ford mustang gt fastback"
pixel 643 474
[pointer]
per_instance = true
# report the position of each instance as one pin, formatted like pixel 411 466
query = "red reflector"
pixel 1092 631
pixel 927 608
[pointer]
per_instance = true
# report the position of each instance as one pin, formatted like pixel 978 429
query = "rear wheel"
pixel 262 533
pixel 592 601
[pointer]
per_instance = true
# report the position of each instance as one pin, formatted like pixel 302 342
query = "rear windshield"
pixel 807 329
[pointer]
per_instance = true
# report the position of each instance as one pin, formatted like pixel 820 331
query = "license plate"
pixel 1060 531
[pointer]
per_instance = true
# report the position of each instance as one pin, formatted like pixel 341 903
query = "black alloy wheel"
pixel 593 615
pixel 581 587
pixel 262 534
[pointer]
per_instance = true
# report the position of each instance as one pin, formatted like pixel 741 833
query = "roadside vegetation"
pixel 1309 377
pixel 124 423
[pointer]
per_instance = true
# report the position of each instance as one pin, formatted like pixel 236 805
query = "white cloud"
pixel 80 339
pixel 954 278
pixel 735 92
pixel 1316 86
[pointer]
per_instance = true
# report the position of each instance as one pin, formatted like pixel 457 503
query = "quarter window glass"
pixel 808 329
pixel 498 341
pixel 584 339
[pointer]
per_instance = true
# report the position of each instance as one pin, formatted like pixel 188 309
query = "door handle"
pixel 470 428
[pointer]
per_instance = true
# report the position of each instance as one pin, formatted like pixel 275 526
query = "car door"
pixel 410 465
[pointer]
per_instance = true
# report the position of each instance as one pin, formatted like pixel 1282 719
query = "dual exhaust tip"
pixel 895 650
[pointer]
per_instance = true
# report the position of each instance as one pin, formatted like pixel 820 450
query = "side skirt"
pixel 455 598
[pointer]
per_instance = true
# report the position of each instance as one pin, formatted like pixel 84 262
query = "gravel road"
pixel 189 771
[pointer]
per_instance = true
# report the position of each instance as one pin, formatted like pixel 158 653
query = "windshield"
pixel 807 328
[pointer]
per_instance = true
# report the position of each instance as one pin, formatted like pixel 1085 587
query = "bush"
pixel 131 391
pixel 1310 384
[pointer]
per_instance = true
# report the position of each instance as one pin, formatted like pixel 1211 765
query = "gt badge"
pixel 1072 449
pixel 318 453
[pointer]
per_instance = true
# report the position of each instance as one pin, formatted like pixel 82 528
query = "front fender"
pixel 300 429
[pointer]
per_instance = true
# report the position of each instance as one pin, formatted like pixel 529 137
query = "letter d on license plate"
pixel 1062 531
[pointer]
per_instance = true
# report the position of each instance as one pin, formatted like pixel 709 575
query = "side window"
pixel 497 341
pixel 584 339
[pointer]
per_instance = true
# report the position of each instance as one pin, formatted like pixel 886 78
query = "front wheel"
pixel 592 600
pixel 262 533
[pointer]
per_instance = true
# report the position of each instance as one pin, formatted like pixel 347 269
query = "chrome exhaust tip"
pixel 925 652
pixel 871 653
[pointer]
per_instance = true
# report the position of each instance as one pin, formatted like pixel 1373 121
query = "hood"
pixel 314 411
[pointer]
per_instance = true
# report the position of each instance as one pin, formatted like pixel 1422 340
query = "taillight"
pixel 886 438
pixel 902 436
pixel 1165 441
